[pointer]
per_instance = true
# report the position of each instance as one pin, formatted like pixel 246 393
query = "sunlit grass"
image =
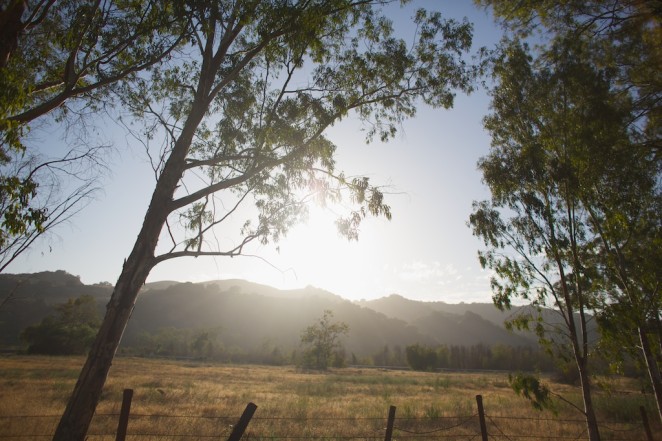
pixel 195 399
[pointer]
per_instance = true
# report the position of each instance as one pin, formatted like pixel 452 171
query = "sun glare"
pixel 317 252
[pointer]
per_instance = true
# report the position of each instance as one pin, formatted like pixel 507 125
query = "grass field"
pixel 189 400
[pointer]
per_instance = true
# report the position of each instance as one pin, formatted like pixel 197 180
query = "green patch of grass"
pixel 432 411
pixel 317 389
pixel 441 382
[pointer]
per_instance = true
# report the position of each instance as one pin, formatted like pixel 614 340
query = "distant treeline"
pixel 206 344
pixel 480 356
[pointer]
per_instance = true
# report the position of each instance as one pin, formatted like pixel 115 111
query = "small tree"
pixel 70 331
pixel 323 341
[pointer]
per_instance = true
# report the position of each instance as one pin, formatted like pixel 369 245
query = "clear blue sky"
pixel 426 252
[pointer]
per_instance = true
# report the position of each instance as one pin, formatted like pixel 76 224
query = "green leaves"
pixel 65 58
pixel 15 212
pixel 531 388
pixel 70 331
pixel 248 104
pixel 621 38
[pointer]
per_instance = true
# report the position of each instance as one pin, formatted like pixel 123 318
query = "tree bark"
pixel 80 409
pixel 653 368
pixel 580 352
pixel 78 414
pixel 591 420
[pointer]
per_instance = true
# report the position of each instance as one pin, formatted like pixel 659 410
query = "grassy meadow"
pixel 177 400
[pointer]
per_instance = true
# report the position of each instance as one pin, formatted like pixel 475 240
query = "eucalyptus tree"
pixel 551 118
pixel 58 63
pixel 238 117
pixel 622 39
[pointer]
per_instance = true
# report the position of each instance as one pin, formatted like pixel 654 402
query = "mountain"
pixel 249 317
pixel 459 324
pixel 411 310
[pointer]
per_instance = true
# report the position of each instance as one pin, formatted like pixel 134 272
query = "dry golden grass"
pixel 191 400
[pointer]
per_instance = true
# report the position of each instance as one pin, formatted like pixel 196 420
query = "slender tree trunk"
pixel 653 368
pixel 658 327
pixel 589 410
pixel 78 414
pixel 580 352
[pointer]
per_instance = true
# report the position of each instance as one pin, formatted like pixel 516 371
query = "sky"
pixel 426 252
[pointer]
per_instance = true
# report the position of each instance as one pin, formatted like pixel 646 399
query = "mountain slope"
pixel 249 316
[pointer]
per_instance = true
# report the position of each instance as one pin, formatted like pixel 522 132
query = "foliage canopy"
pixel 70 331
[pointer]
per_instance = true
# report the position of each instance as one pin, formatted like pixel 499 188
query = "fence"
pixel 481 426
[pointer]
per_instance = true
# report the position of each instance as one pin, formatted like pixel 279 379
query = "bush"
pixel 70 332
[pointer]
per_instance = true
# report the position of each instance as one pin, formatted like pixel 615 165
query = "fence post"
pixel 127 396
pixel 481 417
pixel 239 429
pixel 647 427
pixel 389 424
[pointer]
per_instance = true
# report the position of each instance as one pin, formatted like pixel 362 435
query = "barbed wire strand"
pixel 442 429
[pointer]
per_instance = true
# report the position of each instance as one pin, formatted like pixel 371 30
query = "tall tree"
pixel 61 60
pixel 624 213
pixel 550 118
pixel 241 114
pixel 622 39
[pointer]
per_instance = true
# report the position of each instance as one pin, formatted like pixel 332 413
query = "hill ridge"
pixel 250 315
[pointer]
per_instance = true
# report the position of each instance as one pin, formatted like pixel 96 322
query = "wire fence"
pixel 173 427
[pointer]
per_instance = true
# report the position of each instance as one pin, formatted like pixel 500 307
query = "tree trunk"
pixel 653 368
pixel 589 410
pixel 78 414
pixel 580 352
pixel 11 28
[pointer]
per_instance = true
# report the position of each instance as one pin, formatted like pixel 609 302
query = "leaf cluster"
pixel 534 390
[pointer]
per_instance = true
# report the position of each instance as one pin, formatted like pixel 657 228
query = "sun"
pixel 317 252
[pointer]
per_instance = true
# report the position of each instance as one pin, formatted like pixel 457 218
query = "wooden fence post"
pixel 239 429
pixel 127 396
pixel 481 417
pixel 647 427
pixel 389 424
